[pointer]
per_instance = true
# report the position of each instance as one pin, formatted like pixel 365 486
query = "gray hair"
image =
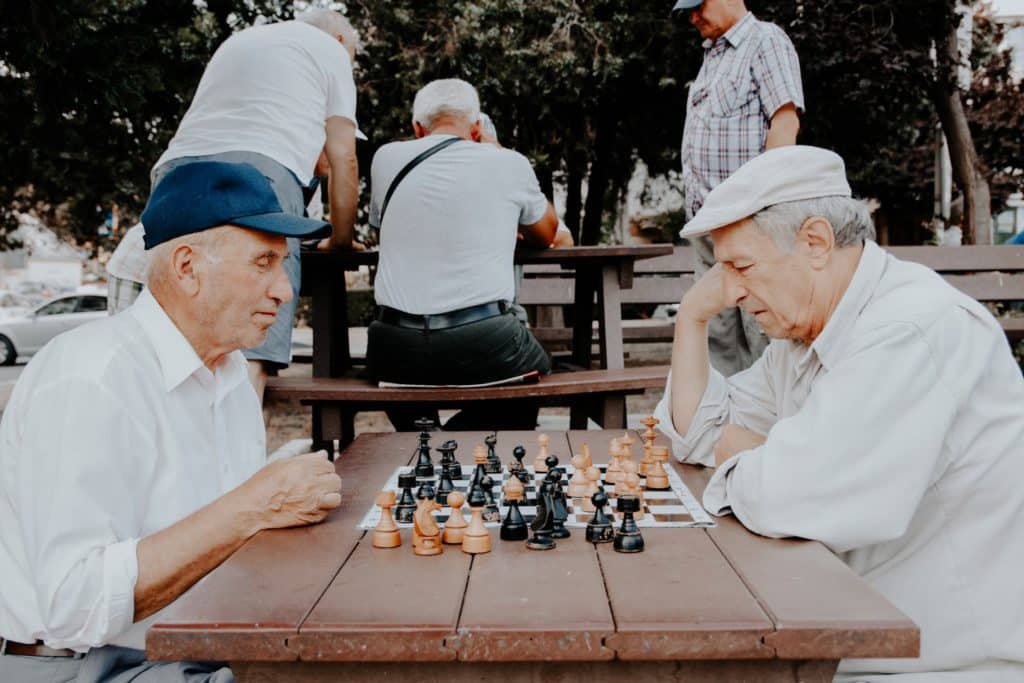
pixel 158 270
pixel 445 98
pixel 331 23
pixel 850 220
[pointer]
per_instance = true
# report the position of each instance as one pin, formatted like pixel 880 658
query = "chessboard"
pixel 676 507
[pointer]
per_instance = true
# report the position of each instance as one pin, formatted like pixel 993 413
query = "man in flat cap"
pixel 132 448
pixel 745 99
pixel 884 419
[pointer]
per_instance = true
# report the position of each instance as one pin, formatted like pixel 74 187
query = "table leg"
pixel 615 671
pixel 331 356
pixel 609 321
pixel 583 314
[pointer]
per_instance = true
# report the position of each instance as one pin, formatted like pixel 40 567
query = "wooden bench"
pixel 990 274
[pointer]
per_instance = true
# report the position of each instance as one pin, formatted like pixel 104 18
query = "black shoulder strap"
pixel 421 157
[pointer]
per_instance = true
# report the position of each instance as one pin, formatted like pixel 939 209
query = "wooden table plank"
pixel 250 606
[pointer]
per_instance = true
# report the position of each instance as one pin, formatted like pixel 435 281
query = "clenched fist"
pixel 293 492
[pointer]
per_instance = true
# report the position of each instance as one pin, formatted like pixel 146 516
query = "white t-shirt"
pixel 269 89
pixel 449 232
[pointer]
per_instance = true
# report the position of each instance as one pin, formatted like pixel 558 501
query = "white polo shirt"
pixel 449 232
pixel 269 89
pixel 115 430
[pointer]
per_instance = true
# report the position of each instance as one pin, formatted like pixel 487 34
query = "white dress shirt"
pixel 115 430
pixel 897 440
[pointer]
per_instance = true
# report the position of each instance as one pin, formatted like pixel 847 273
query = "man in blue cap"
pixel 745 99
pixel 132 449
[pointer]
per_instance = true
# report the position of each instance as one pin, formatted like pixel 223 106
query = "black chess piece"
pixel 552 462
pixel 493 461
pixel 559 505
pixel 406 505
pixel 514 527
pixel 628 538
pixel 599 528
pixel 426 490
pixel 491 512
pixel 444 487
pixel 543 522
pixel 517 467
pixel 448 462
pixel 476 493
pixel 424 466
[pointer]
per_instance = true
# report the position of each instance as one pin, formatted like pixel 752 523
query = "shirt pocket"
pixel 727 98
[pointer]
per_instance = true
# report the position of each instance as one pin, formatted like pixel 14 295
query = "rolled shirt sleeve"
pixel 531 201
pixel 81 539
pixel 850 467
pixel 776 71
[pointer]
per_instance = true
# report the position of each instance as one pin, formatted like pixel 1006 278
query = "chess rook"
pixel 406 503
pixel 628 538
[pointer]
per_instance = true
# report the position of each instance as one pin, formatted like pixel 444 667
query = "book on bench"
pixel 530 377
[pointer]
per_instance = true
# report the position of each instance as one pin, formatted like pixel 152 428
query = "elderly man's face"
pixel 774 285
pixel 244 283
pixel 712 18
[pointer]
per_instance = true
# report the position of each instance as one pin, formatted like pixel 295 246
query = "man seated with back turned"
pixel 445 283
pixel 131 449
pixel 885 419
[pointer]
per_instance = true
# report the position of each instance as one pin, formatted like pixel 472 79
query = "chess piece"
pixel 426 490
pixel 444 487
pixel 491 512
pixel 657 477
pixel 516 467
pixel 614 469
pixel 455 527
pixel 632 487
pixel 578 482
pixel 480 460
pixel 426 534
pixel 543 440
pixel 599 528
pixel 628 538
pixel 385 534
pixel 424 465
pixel 649 436
pixel 493 461
pixel 448 462
pixel 543 521
pixel 587 460
pixel 559 507
pixel 593 486
pixel 406 503
pixel 476 539
pixel 423 494
pixel 514 527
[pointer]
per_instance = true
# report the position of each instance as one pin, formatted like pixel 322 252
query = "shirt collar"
pixel 178 360
pixel 829 344
pixel 738 33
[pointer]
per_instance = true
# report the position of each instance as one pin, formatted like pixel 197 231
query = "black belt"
pixel 37 649
pixel 441 321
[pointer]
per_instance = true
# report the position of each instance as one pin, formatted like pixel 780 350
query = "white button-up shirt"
pixel 896 439
pixel 115 431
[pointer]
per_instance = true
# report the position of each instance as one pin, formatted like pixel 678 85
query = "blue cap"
pixel 686 6
pixel 207 194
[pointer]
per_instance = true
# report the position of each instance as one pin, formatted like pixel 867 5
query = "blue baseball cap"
pixel 207 194
pixel 685 6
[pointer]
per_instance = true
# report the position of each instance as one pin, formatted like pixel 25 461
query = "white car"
pixel 24 334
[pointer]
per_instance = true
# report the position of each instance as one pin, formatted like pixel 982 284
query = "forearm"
pixel 690 369
pixel 343 186
pixel 172 560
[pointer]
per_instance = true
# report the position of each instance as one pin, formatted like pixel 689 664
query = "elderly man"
pixel 450 206
pixel 273 96
pixel 884 419
pixel 131 449
pixel 745 99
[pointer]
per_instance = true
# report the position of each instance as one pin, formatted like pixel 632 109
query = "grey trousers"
pixel 735 340
pixel 110 664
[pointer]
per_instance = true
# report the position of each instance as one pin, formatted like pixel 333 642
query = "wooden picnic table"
pixel 601 270
pixel 715 604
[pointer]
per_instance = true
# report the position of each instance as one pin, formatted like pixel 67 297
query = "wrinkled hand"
pixel 735 439
pixel 293 492
pixel 326 245
pixel 707 298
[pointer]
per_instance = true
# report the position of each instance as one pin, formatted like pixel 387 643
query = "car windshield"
pixel 58 306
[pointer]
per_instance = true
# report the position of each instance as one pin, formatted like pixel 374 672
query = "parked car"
pixel 23 335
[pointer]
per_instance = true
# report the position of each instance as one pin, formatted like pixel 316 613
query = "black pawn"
pixel 599 528
pixel 444 487
pixel 543 522
pixel 517 467
pixel 628 538
pixel 493 461
pixel 491 512
pixel 406 505
pixel 514 527
pixel 424 466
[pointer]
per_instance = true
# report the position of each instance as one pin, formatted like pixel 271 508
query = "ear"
pixel 818 239
pixel 474 132
pixel 418 130
pixel 183 264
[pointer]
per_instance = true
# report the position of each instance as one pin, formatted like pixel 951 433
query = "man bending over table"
pixel 131 449
pixel 885 419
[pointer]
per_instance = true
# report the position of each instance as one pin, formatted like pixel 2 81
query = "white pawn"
pixel 542 453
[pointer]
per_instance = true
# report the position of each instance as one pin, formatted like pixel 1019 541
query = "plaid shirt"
pixel 747 75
